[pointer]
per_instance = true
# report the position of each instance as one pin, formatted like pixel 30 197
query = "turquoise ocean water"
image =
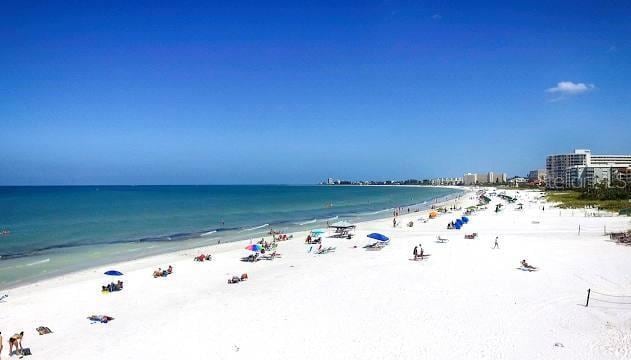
pixel 47 231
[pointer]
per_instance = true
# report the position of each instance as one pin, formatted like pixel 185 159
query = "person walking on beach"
pixel 415 252
pixel 394 222
pixel 16 340
pixel 496 245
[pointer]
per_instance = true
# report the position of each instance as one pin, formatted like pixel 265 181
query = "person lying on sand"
pixel 526 265
pixel 235 279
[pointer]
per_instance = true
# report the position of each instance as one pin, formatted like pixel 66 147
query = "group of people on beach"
pixel 111 287
pixel 163 273
pixel 15 342
pixel 418 252
pixel 203 257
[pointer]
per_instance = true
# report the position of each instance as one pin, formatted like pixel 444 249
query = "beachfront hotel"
pixel 484 178
pixel 583 169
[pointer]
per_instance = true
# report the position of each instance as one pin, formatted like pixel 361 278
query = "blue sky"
pixel 294 92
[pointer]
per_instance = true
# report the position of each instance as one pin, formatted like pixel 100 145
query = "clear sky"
pixel 297 91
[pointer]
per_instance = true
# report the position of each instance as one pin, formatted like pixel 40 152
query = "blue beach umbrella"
pixel 465 219
pixel 379 237
pixel 457 225
pixel 317 231
pixel 113 273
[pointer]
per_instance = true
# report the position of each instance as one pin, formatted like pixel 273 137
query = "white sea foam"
pixel 255 228
pixel 308 222
pixel 209 233
pixel 38 262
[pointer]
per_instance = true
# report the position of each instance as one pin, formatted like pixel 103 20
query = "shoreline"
pixel 169 252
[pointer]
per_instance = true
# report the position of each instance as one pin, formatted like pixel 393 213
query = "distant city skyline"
pixel 292 93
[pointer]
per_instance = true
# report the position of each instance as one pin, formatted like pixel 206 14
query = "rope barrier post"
pixel 587 302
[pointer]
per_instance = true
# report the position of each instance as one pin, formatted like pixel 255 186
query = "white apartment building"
pixel 470 179
pixel 484 178
pixel 582 168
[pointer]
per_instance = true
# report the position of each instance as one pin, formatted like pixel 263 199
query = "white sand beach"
pixel 465 301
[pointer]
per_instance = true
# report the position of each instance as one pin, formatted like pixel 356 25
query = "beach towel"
pixel 43 330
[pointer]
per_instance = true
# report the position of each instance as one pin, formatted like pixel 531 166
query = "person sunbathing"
pixel 157 273
pixel 526 265
pixel 170 270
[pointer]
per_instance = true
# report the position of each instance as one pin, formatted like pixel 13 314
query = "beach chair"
pixel 441 239
pixel 325 250
pixel 375 246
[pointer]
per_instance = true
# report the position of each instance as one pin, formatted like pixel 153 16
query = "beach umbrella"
pixel 379 237
pixel 457 225
pixel 433 214
pixel 317 231
pixel 254 247
pixel 113 273
pixel 465 219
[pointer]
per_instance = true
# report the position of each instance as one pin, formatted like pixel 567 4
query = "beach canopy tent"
pixel 343 229
pixel 342 225
pixel 113 273
pixel 254 247
pixel 317 232
pixel 433 214
pixel 378 237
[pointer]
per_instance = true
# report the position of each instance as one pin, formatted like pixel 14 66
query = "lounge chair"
pixel 375 246
pixel 441 239
pixel 326 250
